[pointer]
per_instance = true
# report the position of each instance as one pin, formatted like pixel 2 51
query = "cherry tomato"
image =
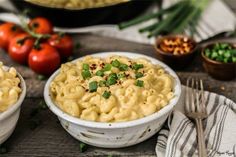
pixel 20 47
pixel 41 25
pixel 7 32
pixel 63 43
pixel 44 60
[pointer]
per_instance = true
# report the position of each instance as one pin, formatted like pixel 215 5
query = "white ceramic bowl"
pixel 115 135
pixel 9 118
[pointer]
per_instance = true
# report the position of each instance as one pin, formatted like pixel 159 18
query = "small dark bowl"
pixel 218 70
pixel 175 61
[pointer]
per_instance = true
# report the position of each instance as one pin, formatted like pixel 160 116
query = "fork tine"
pixel 197 95
pixel 187 96
pixel 203 100
pixel 192 96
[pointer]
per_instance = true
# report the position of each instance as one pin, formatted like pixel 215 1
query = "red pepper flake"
pixel 93 66
pixel 102 65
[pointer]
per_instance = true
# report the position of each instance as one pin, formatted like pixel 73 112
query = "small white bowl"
pixel 9 118
pixel 115 135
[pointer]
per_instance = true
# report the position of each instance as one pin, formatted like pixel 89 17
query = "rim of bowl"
pixel 160 38
pixel 56 110
pixel 214 61
pixel 15 106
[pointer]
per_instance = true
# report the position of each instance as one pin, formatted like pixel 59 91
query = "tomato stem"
pixel 21 41
pixel 26 28
pixel 37 44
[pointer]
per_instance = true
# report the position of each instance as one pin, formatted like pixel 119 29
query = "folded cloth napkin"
pixel 177 138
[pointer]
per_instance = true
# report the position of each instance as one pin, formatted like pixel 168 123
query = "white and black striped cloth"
pixel 177 138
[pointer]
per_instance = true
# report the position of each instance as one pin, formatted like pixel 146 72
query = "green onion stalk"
pixel 178 17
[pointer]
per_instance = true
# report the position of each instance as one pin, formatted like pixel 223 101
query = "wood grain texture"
pixel 50 139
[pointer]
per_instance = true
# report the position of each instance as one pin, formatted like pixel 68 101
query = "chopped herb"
pixel 100 73
pixel 111 81
pixel 115 63
pixel 138 75
pixel 107 67
pixel 222 52
pixel 123 67
pixel 113 75
pixel 83 147
pixel 106 94
pixel 139 83
pixel 86 74
pixel 85 66
pixel 121 75
pixel 234 59
pixel 109 155
pixel 93 86
pixel 102 83
pixel 41 77
pixel 137 66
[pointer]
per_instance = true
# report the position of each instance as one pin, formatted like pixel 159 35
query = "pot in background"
pixel 61 17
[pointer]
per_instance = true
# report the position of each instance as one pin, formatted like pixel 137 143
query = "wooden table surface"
pixel 50 139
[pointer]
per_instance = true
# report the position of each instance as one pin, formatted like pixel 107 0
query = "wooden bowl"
pixel 218 70
pixel 175 61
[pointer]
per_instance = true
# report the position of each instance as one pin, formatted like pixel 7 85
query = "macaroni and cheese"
pixel 9 88
pixel 112 89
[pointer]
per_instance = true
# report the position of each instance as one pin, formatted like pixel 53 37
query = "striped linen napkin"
pixel 177 138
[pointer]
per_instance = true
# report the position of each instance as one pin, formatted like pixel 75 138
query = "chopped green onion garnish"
pixel 115 63
pixel 86 74
pixel 107 67
pixel 106 94
pixel 137 66
pixel 85 66
pixel 222 52
pixel 83 147
pixel 121 75
pixel 123 67
pixel 234 59
pixel 111 81
pixel 100 73
pixel 93 86
pixel 102 83
pixel 138 75
pixel 113 75
pixel 139 83
pixel 214 55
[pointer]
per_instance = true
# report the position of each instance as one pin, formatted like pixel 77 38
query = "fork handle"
pixel 201 140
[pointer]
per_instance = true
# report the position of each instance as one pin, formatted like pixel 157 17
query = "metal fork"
pixel 195 108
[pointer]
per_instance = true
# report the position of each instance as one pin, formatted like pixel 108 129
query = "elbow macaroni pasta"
pixel 127 101
pixel 9 88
